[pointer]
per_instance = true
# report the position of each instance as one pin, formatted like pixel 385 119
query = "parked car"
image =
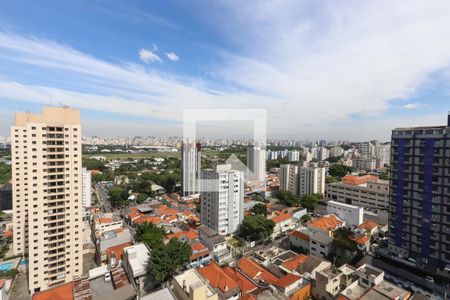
pixel 429 279
pixel 107 277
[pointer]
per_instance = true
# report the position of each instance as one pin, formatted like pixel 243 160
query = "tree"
pixel 94 164
pixel 5 173
pixel 257 197
pixel 256 227
pixel 141 198
pixel 118 196
pixel 259 209
pixel 339 171
pixel 384 176
pixel 310 201
pixel 330 179
pixel 305 218
pixel 287 198
pixel 166 259
pixel 150 234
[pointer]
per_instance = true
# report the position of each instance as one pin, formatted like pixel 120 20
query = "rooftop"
pixel 218 278
pixel 293 263
pixel 137 256
pixel 244 283
pixel 287 280
pixel 299 234
pixel 368 225
pixel 191 278
pixel 255 271
pixel 62 292
pixel 358 180
pixel 326 223
pixel 164 294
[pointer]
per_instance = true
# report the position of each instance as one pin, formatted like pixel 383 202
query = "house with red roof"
pixel 283 223
pixel 299 239
pixel 200 254
pixel 188 235
pixel 218 279
pixel 294 287
pixel 243 282
pixel 290 265
pixel 255 272
pixel 369 226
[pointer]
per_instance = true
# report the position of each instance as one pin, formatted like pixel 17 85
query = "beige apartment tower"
pixel 47 193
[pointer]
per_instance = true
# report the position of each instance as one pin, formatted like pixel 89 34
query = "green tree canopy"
pixel 287 198
pixel 259 209
pixel 150 234
pixel 93 164
pixel 339 171
pixel 256 227
pixel 166 259
pixel 310 201
pixel 118 196
pixel 5 173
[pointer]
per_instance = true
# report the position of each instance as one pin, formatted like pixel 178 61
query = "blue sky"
pixel 322 69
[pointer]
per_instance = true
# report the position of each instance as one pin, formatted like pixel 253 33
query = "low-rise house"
pixel 283 223
pixel 135 264
pixel 331 281
pixel 114 254
pixel 321 234
pixel 216 244
pixel 110 239
pixel 293 287
pixel 291 265
pixel 299 239
pixel 200 255
pixel 183 235
pixel 226 287
pixel 190 285
pixel 311 266
pixel 107 222
pixel 369 226
pixel 243 282
pixel 362 242
pixel 255 272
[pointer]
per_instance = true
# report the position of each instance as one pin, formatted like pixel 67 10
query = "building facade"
pixel 222 199
pixel 191 159
pixel 311 180
pixel 352 215
pixel 47 195
pixel 289 178
pixel 256 162
pixel 86 187
pixel 419 196
pixel 370 195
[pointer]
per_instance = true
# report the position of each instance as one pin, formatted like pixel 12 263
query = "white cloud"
pixel 172 56
pixel 415 105
pixel 147 55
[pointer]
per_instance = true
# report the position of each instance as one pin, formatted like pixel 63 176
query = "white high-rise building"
pixel 383 154
pixel 86 187
pixel 256 162
pixel 47 195
pixel 323 154
pixel 311 180
pixel 222 199
pixel 293 156
pixel 289 178
pixel 336 151
pixel 367 149
pixel 190 166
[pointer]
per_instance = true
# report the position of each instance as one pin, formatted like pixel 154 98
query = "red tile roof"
pixel 368 225
pixel 62 292
pixel 287 280
pixel 326 223
pixel 255 271
pixel 217 277
pixel 188 234
pixel 292 263
pixel 104 220
pixel 245 285
pixel 117 250
pixel 361 240
pixel 281 217
pixel 8 233
pixel 2 283
pixel 357 180
pixel 146 219
pixel 299 235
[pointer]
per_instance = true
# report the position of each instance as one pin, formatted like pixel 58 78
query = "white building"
pixel 293 156
pixel 222 199
pixel 86 187
pixel 256 162
pixel 383 154
pixel 367 149
pixel 352 215
pixel 364 163
pixel 323 154
pixel 190 166
pixel 336 151
pixel 311 180
pixel 135 260
pixel 47 195
pixel 289 178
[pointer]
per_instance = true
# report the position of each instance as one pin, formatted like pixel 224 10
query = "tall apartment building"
pixel 191 158
pixel 47 193
pixel 367 149
pixel 336 151
pixel 383 154
pixel 222 199
pixel 256 162
pixel 419 197
pixel 364 163
pixel 289 178
pixel 311 180
pixel 293 155
pixel 302 181
pixel 86 187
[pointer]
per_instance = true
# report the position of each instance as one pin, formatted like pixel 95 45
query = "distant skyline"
pixel 323 70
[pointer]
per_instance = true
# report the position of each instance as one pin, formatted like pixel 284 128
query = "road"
pixel 102 196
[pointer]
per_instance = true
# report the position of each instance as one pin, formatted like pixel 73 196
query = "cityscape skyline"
pixel 162 58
